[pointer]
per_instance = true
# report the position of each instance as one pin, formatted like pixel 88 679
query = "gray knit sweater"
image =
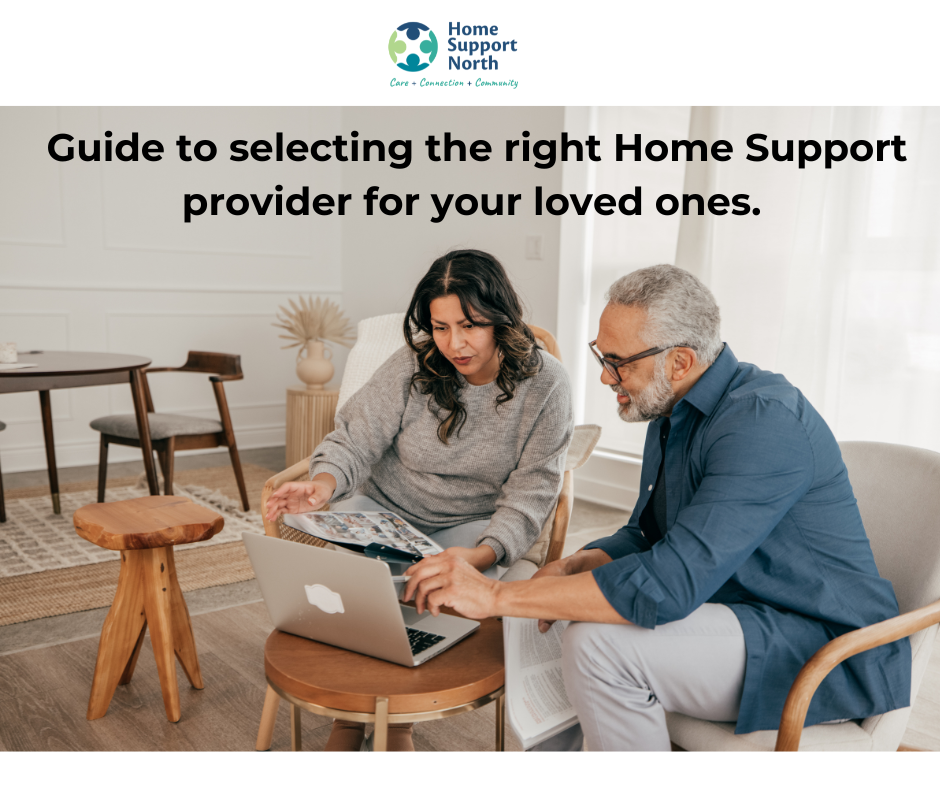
pixel 506 464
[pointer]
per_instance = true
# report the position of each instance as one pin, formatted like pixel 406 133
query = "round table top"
pixel 339 679
pixel 146 523
pixel 74 362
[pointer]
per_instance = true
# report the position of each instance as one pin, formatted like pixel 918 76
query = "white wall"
pixel 385 256
pixel 96 256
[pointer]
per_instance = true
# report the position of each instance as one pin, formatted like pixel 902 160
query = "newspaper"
pixel 537 706
pixel 357 530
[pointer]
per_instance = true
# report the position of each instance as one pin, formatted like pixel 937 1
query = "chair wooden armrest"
pixel 562 516
pixel 300 470
pixel 835 652
pixel 151 370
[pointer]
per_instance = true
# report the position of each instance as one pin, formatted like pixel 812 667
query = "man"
pixel 744 555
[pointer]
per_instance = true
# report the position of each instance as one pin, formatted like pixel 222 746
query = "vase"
pixel 315 368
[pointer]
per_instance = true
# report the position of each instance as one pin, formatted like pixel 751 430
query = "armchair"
pixel 897 492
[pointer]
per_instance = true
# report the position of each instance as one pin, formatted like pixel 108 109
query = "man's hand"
pixel 299 497
pixel 448 580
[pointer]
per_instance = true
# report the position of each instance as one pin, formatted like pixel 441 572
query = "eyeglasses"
pixel 612 366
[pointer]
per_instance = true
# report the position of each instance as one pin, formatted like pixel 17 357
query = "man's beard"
pixel 652 402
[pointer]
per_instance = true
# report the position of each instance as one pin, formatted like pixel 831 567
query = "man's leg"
pixel 622 678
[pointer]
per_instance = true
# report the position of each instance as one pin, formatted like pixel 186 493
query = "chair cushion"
pixel 698 735
pixel 583 441
pixel 582 444
pixel 377 338
pixel 539 551
pixel 162 425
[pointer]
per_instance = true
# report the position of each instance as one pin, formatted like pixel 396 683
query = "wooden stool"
pixel 145 530
pixel 349 686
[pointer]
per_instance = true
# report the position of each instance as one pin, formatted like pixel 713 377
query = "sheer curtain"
pixel 619 244
pixel 836 284
pixel 840 289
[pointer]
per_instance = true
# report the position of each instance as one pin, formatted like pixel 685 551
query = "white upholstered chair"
pixel 377 338
pixel 898 493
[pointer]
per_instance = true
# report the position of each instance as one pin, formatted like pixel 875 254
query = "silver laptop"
pixel 347 600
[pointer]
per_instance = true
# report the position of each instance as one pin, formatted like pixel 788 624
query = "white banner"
pixel 285 52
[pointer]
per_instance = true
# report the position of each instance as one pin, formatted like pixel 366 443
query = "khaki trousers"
pixel 622 679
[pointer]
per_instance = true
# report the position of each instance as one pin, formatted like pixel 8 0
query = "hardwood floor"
pixel 46 668
pixel 44 696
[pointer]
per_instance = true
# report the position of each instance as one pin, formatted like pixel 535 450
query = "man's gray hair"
pixel 680 310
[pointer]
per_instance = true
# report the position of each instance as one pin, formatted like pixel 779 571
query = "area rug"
pixel 46 569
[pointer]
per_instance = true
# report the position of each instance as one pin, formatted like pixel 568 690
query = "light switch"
pixel 533 247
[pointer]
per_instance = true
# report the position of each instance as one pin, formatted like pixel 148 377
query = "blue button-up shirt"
pixel 760 517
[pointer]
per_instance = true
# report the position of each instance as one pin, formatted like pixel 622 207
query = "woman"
pixel 462 432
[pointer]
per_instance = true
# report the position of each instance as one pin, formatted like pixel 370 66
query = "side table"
pixel 333 682
pixel 310 416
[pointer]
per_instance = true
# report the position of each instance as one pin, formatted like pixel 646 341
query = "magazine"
pixel 358 530
pixel 537 706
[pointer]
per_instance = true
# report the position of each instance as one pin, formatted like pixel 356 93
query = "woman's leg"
pixel 358 503
pixel 345 736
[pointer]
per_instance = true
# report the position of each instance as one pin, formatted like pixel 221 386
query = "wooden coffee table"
pixel 337 683
pixel 66 369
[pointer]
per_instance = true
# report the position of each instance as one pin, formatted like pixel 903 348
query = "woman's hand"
pixel 581 561
pixel 299 497
pixel 480 558
pixel 560 568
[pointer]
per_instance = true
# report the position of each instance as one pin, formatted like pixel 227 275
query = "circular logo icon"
pixel 413 46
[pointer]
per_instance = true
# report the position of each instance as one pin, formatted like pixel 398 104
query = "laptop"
pixel 347 600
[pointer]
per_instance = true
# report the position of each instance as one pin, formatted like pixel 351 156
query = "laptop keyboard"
pixel 421 641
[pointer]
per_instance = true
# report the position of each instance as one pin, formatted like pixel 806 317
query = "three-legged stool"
pixel 145 531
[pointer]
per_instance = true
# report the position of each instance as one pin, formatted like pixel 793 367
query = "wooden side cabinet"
pixel 309 420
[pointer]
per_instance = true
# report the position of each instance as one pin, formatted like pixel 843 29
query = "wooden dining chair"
pixel 172 432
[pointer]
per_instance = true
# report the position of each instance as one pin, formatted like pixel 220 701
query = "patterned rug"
pixel 46 569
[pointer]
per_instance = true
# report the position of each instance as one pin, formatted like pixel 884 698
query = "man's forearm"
pixel 573 598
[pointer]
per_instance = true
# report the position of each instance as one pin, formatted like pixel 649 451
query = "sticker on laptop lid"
pixel 321 597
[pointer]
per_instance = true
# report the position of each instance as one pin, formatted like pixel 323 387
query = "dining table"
pixel 68 369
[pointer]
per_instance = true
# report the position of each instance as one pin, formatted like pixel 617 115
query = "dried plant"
pixel 318 320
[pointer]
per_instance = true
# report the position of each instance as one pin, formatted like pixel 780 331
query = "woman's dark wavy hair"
pixel 480 282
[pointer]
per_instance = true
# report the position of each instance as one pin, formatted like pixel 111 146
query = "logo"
pixel 413 46
pixel 321 597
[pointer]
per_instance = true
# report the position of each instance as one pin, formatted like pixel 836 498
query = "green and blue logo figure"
pixel 413 46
